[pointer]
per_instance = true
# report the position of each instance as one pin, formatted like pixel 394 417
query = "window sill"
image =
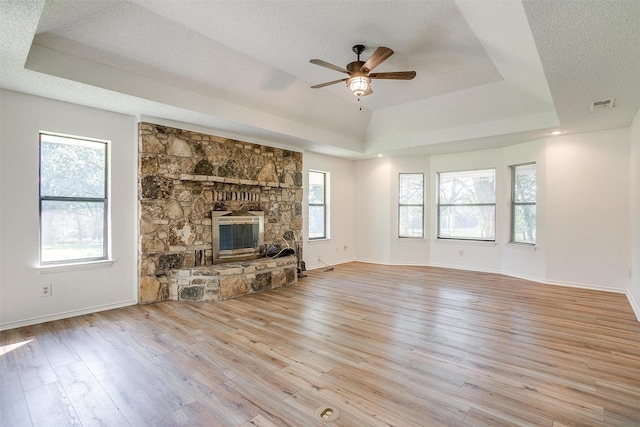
pixel 411 239
pixel 522 246
pixel 58 268
pixel 318 241
pixel 466 242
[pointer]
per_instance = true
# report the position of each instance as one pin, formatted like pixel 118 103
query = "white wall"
pixel 634 289
pixel 372 210
pixel 74 291
pixel 583 211
pixel 340 246
pixel 587 197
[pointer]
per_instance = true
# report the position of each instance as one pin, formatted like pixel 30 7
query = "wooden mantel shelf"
pixel 208 179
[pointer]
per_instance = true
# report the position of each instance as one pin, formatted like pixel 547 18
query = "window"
pixel 317 205
pixel 73 199
pixel 467 205
pixel 523 203
pixel 411 205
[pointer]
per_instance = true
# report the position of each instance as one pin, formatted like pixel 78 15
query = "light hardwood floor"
pixel 382 345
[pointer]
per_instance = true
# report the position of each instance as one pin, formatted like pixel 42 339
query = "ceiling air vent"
pixel 601 105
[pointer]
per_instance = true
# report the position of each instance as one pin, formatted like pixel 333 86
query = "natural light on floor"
pixel 10 347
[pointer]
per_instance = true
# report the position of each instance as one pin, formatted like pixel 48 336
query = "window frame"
pixel 324 205
pixel 106 243
pixel 514 204
pixel 401 205
pixel 440 205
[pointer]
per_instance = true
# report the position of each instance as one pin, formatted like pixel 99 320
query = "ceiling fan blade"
pixel 381 54
pixel 325 64
pixel 328 83
pixel 394 75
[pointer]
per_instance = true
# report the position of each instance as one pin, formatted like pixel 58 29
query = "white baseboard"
pixel 479 270
pixel 65 315
pixel 567 284
pixel 412 264
pixel 318 265
pixel 634 304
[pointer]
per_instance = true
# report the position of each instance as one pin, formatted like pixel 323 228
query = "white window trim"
pixel 490 242
pixel 512 204
pixel 83 263
pixel 398 236
pixel 327 235
pixel 59 268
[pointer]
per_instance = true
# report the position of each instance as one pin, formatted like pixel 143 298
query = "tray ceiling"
pixel 488 73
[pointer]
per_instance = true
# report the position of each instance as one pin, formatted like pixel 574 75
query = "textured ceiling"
pixel 591 52
pixel 489 73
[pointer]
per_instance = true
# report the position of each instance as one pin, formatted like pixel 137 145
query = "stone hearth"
pixel 183 176
pixel 230 280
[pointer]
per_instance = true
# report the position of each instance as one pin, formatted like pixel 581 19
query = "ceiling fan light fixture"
pixel 359 85
pixel 360 76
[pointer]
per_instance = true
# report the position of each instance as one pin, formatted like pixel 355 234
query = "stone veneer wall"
pixel 183 176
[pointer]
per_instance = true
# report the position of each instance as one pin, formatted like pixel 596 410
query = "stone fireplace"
pixel 185 179
pixel 237 235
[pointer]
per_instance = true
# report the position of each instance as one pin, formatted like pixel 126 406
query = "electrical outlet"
pixel 319 258
pixel 45 290
pixel 461 253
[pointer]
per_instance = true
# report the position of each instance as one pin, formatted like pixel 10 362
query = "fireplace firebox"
pixel 237 235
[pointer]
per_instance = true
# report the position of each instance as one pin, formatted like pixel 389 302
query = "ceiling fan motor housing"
pixel 355 68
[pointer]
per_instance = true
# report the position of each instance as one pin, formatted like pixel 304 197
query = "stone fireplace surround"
pixel 183 176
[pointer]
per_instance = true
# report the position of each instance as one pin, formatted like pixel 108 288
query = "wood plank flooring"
pixel 382 345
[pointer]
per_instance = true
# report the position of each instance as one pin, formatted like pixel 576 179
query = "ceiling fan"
pixel 360 75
